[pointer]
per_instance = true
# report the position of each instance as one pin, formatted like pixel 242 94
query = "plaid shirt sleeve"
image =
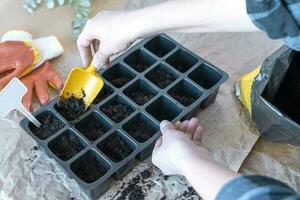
pixel 280 19
pixel 253 187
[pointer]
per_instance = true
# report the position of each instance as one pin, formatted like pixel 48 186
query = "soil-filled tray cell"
pixel 117 109
pixel 105 92
pixel 169 112
pixel 50 125
pixel 181 60
pixel 90 167
pixel 71 108
pixel 93 126
pixel 185 92
pixel 141 128
pixel 160 46
pixel 139 60
pixel 118 75
pixel 205 76
pixel 66 145
pixel 140 92
pixel 161 76
pixel 116 147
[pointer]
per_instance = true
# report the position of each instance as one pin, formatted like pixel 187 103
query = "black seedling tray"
pixel 154 80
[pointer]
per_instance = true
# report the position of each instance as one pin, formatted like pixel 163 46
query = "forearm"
pixel 206 175
pixel 192 16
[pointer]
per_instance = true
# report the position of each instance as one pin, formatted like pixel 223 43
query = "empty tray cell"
pixel 185 92
pixel 66 145
pixel 160 46
pixel 117 109
pixel 50 125
pixel 182 60
pixel 205 76
pixel 118 75
pixel 105 92
pixel 93 126
pixel 161 76
pixel 71 108
pixel 90 167
pixel 140 92
pixel 163 108
pixel 116 146
pixel 139 60
pixel 141 128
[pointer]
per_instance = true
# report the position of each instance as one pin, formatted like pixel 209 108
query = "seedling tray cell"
pixel 154 80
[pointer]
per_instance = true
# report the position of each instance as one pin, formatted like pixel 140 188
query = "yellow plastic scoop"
pixel 83 83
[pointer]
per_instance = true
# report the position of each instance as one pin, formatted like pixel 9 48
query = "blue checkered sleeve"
pixel 253 187
pixel 280 19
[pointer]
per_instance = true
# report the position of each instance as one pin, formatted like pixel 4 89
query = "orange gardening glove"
pixel 39 80
pixel 15 58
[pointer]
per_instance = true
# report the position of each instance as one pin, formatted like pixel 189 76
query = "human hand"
pixel 110 32
pixel 176 146
pixel 38 80
pixel 15 58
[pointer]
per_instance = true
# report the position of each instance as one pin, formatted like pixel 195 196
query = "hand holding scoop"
pixel 11 99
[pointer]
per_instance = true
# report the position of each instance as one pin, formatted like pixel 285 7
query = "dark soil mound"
pixel 115 148
pixel 89 170
pixel 50 125
pixel 161 77
pixel 117 112
pixel 71 108
pixel 66 146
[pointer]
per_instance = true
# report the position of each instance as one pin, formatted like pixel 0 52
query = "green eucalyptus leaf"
pixel 50 4
pixel 82 9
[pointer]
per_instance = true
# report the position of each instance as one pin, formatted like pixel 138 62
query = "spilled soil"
pixel 66 146
pixel 89 170
pixel 140 131
pixel 117 112
pixel 133 190
pixel 50 125
pixel 71 108
pixel 161 77
pixel 115 148
pixel 183 98
pixel 139 188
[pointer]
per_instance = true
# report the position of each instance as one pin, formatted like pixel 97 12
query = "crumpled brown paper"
pixel 26 173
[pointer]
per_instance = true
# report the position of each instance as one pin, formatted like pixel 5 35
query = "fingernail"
pixel 163 123
pixel 45 100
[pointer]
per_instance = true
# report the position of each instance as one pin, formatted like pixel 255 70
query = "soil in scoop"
pixel 115 148
pixel 92 129
pixel 140 131
pixel 287 98
pixel 71 108
pixel 66 146
pixel 140 97
pixel 50 125
pixel 117 112
pixel 183 98
pixel 161 77
pixel 89 170
pixel 119 82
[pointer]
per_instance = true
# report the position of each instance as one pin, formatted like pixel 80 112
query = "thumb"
pixel 100 60
pixel 166 126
